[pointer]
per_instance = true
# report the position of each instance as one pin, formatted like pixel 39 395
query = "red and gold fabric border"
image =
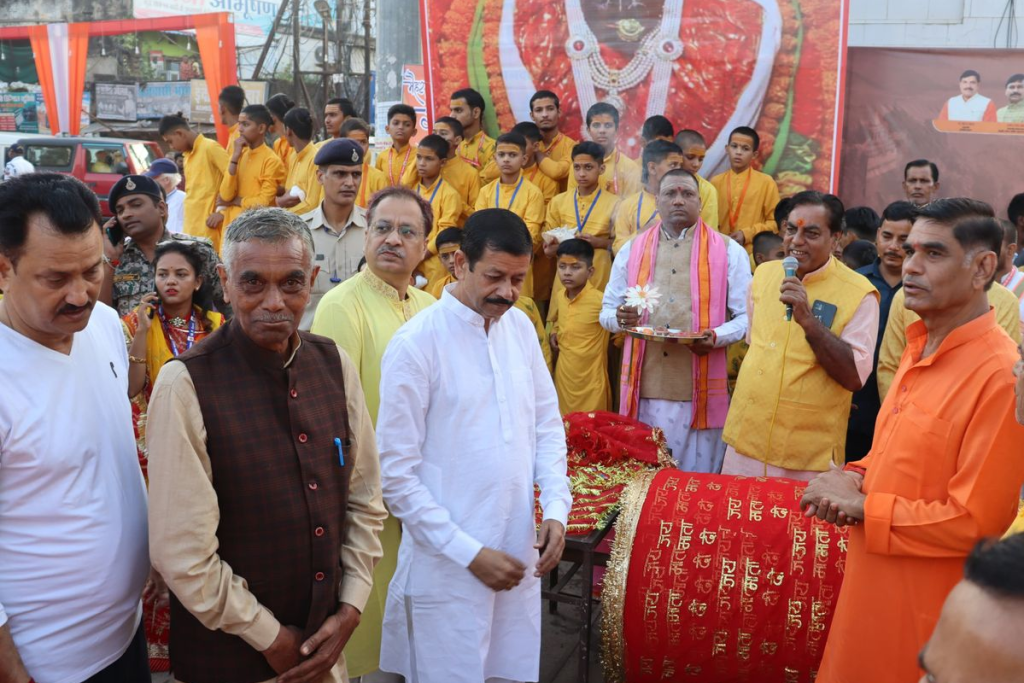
pixel 719 579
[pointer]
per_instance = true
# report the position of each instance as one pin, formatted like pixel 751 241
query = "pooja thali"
pixel 668 335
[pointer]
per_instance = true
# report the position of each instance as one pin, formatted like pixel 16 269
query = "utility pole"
pixel 366 61
pixel 296 74
pixel 324 10
pixel 270 40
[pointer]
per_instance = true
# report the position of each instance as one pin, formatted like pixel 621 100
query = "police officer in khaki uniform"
pixel 131 236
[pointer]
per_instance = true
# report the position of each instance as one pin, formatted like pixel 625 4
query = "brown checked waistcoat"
pixel 281 490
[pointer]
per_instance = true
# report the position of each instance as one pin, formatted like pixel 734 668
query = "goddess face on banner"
pixel 710 65
pixel 643 52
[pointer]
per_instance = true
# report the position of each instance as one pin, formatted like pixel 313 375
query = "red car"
pixel 97 162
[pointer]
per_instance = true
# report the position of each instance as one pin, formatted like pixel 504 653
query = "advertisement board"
pixel 961 109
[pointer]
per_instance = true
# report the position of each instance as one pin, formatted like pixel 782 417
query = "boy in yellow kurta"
pixel 457 171
pixel 588 209
pixel 531 170
pixel 398 164
pixel 373 180
pixel 621 174
pixel 447 242
pixel 554 153
pixel 301 179
pixel 694 149
pixel 543 268
pixel 254 171
pixel 444 200
pixel 205 162
pixel 230 102
pixel 638 210
pixel 747 198
pixel 579 342
pixel 467 107
pixel 515 193
pixel 279 105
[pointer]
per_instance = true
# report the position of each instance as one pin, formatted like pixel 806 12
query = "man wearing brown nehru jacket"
pixel 265 501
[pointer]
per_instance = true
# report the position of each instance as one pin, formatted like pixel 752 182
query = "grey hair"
pixel 269 224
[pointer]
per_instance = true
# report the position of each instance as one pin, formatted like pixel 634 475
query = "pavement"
pixel 559 656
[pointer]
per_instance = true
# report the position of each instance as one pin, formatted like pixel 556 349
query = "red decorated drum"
pixel 718 579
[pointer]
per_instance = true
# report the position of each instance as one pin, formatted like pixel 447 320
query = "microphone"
pixel 789 266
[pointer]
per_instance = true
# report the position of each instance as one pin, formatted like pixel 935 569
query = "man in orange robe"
pixel 945 468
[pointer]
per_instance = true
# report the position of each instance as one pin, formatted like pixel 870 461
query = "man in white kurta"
pixel 468 424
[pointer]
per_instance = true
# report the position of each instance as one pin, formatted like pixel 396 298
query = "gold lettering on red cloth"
pixel 726 570
pixel 668 669
pixel 743 645
pixel 720 643
pixel 665 534
pixel 685 535
pixel 676 601
pixel 750 577
pixel 756 510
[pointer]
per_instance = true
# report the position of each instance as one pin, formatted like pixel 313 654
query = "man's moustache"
pixel 68 308
pixel 393 252
pixel 500 301
pixel 283 318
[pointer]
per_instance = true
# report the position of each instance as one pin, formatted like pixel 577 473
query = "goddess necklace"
pixel 655 55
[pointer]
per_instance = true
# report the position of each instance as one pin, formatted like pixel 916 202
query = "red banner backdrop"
pixel 718 579
pixel 710 65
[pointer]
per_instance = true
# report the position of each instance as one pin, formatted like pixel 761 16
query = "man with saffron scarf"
pixel 703 279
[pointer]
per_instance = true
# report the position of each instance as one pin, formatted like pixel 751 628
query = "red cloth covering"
pixel 719 579
pixel 605 452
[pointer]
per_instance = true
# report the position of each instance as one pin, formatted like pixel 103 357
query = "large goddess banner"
pixel 710 65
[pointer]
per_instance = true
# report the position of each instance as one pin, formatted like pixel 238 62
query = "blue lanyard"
pixel 497 194
pixel 639 206
pixel 576 203
pixel 189 340
pixel 436 188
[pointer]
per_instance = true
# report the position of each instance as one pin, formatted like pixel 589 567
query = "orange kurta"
pixel 944 471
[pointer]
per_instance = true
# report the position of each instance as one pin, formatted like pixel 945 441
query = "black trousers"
pixel 131 667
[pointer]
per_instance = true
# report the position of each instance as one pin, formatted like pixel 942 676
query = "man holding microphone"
pixel 812 335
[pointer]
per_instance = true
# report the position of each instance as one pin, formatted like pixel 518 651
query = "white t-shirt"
pixel 74 543
pixel 18 166
pixel 176 211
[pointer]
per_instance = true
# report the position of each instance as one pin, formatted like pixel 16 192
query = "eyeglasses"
pixel 406 232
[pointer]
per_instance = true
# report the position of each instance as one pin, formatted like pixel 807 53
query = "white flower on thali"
pixel 643 298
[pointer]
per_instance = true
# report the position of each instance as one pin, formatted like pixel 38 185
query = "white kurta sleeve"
pixel 735 329
pixel 401 432
pixel 550 467
pixel 615 290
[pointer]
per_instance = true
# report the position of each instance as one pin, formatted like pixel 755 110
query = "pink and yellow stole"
pixel 709 287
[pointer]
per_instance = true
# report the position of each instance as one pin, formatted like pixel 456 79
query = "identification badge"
pixel 824 312
pixel 320 257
